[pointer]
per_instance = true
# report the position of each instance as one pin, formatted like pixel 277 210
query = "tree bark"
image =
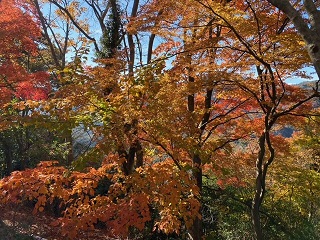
pixel 259 191
pixel 134 156
pixel 265 158
pixel 197 228
pixel 310 35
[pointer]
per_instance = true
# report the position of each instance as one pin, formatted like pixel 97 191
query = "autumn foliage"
pixel 19 32
pixel 177 134
pixel 105 196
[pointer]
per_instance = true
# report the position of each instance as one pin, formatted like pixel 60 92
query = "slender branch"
pixel 176 162
pixel 63 9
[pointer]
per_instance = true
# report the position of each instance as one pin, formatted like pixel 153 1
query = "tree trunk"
pixel 310 35
pixel 139 155
pixel 262 165
pixel 197 228
pixel 259 191
pixel 255 210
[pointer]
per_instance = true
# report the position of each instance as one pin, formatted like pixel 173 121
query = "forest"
pixel 160 119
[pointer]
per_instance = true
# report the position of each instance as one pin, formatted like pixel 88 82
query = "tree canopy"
pixel 161 119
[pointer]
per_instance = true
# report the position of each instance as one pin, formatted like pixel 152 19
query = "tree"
pixel 258 41
pixel 308 30
pixel 19 80
pixel 207 101
pixel 17 47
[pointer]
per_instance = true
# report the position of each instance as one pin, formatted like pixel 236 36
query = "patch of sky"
pixel 309 71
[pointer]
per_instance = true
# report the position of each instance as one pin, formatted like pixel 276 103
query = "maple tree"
pixel 20 80
pixel 253 38
pixel 299 185
pixel 17 47
pixel 201 104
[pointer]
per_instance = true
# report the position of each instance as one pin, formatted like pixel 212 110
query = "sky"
pixel 297 80
pixel 96 32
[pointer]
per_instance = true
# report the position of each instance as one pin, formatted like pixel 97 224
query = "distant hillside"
pixel 289 130
pixel 286 132
pixel 306 84
pixel 309 85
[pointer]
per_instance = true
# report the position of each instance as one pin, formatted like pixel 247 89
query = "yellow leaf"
pixel 92 109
